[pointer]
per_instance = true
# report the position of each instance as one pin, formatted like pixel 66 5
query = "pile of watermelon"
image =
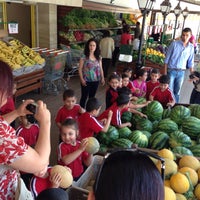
pixel 177 129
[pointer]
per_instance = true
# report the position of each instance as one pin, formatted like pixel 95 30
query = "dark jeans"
pixel 115 55
pixel 88 92
pixel 106 63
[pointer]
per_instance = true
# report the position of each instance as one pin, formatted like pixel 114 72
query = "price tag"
pixel 13 28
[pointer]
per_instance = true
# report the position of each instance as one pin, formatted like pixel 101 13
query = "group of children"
pixel 75 124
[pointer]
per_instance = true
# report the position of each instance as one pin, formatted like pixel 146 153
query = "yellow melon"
pixel 170 167
pixel 180 197
pixel 92 145
pixel 167 183
pixel 191 172
pixel 197 191
pixel 179 183
pixel 189 161
pixel 169 193
pixel 65 173
pixel 166 153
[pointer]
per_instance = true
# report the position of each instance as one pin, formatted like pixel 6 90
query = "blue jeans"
pixel 176 81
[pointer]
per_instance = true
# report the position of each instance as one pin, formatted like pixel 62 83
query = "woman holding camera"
pixel 15 154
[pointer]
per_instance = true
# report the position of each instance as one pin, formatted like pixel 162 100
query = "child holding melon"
pixel 71 152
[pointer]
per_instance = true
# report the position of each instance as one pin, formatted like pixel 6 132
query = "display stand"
pixel 29 82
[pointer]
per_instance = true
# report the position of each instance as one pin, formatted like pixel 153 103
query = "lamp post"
pixel 145 7
pixel 165 8
pixel 177 12
pixel 185 14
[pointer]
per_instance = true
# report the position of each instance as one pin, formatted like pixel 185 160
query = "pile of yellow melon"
pixel 182 177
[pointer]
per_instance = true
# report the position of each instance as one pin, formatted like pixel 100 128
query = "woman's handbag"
pixel 22 193
pixel 126 53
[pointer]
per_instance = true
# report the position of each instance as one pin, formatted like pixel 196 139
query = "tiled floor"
pixel 54 102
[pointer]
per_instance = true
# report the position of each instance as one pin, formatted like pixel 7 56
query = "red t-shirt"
pixel 163 97
pixel 131 86
pixel 38 184
pixel 63 113
pixel 150 86
pixel 116 117
pixel 77 165
pixel 125 37
pixel 111 96
pixel 8 107
pixel 88 125
pixel 30 134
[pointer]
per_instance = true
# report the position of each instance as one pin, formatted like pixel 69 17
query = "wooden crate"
pixel 29 82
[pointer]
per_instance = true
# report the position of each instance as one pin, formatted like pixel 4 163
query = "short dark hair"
pixel 123 99
pixel 187 30
pixel 125 76
pixel 53 194
pixel 92 104
pixel 124 90
pixel 68 93
pixel 114 76
pixel 164 79
pixel 140 72
pixel 70 122
pixel 155 71
pixel 127 69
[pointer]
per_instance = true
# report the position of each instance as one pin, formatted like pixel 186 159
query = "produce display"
pixel 173 134
pixel 18 55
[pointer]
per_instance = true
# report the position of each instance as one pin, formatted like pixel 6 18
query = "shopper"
pixel 107 46
pixel 15 153
pixel 128 174
pixel 126 37
pixel 193 41
pixel 90 71
pixel 180 53
pixel 137 31
pixel 195 95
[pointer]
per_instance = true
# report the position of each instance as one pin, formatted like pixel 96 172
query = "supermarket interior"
pixel 43 42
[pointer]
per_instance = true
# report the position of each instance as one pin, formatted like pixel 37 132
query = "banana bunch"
pixel 17 55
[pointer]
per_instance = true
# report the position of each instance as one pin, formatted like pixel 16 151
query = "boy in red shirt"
pixel 88 124
pixel 70 109
pixel 153 82
pixel 162 93
pixel 71 152
pixel 121 105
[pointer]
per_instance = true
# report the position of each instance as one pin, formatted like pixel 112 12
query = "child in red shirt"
pixel 88 124
pixel 28 130
pixel 121 105
pixel 112 91
pixel 153 82
pixel 162 93
pixel 71 152
pixel 70 109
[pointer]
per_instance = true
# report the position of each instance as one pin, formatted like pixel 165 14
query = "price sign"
pixel 13 28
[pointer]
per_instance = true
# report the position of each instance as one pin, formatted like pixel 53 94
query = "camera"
pixel 32 107
pixel 195 73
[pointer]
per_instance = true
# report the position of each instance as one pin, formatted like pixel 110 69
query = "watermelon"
pixel 195 110
pixel 195 150
pixel 109 136
pixel 167 125
pixel 158 140
pixel 154 111
pixel 144 124
pixel 121 143
pixel 178 138
pixel 155 126
pixel 137 137
pixel 147 133
pixel 124 132
pixel 179 114
pixel 191 127
pixel 182 151
pixel 126 117
pixel 103 148
pixel 140 100
pixel 166 113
